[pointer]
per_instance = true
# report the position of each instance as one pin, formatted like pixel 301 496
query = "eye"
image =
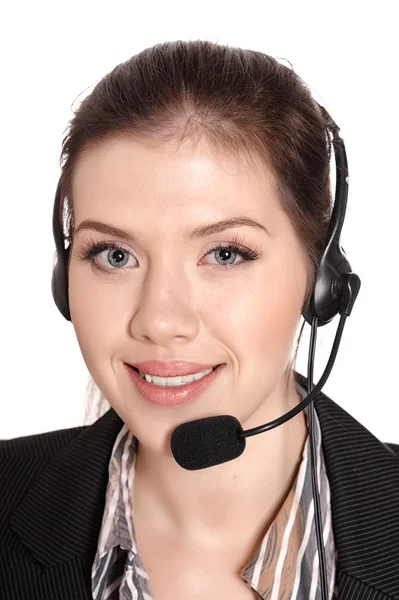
pixel 115 255
pixel 232 248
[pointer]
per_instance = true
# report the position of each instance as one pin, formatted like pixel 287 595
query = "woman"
pixel 178 138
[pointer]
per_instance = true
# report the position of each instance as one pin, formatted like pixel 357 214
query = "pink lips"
pixel 172 396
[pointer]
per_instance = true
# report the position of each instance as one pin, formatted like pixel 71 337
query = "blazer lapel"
pixel 59 518
pixel 364 479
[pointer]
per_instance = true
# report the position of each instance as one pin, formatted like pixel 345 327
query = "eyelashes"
pixel 90 249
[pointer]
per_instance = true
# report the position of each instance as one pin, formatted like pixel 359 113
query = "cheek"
pixel 263 314
pixel 95 314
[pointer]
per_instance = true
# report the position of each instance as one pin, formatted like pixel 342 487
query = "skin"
pixel 173 301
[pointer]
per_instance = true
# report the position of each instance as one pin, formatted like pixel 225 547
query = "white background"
pixel 52 53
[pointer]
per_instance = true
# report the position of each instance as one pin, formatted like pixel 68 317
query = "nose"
pixel 166 311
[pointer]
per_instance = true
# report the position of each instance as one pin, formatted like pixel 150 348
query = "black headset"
pixel 335 291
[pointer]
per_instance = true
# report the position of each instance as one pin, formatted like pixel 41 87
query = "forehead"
pixel 191 179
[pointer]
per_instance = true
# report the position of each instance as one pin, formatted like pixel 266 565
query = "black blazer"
pixel 52 500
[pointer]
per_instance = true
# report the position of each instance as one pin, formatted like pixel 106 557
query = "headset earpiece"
pixel 336 287
pixel 59 282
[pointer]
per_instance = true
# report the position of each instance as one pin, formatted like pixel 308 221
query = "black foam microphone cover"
pixel 207 442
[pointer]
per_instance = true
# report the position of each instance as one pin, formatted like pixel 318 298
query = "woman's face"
pixel 167 296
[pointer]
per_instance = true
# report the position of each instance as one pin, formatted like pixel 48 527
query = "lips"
pixel 165 396
pixel 171 368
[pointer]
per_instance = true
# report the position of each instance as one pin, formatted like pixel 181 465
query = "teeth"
pixel 175 381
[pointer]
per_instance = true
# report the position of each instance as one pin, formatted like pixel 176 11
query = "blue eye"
pixel 118 255
pixel 246 253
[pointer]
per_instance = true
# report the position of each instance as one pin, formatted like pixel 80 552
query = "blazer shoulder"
pixel 21 461
pixel 393 447
pixel 40 444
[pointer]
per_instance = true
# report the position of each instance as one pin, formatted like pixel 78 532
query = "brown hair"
pixel 244 102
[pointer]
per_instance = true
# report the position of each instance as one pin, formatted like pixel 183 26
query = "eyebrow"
pixel 197 233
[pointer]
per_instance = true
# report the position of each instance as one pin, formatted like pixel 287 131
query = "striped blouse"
pixel 284 567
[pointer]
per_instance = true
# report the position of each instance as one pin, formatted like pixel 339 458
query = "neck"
pixel 238 497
